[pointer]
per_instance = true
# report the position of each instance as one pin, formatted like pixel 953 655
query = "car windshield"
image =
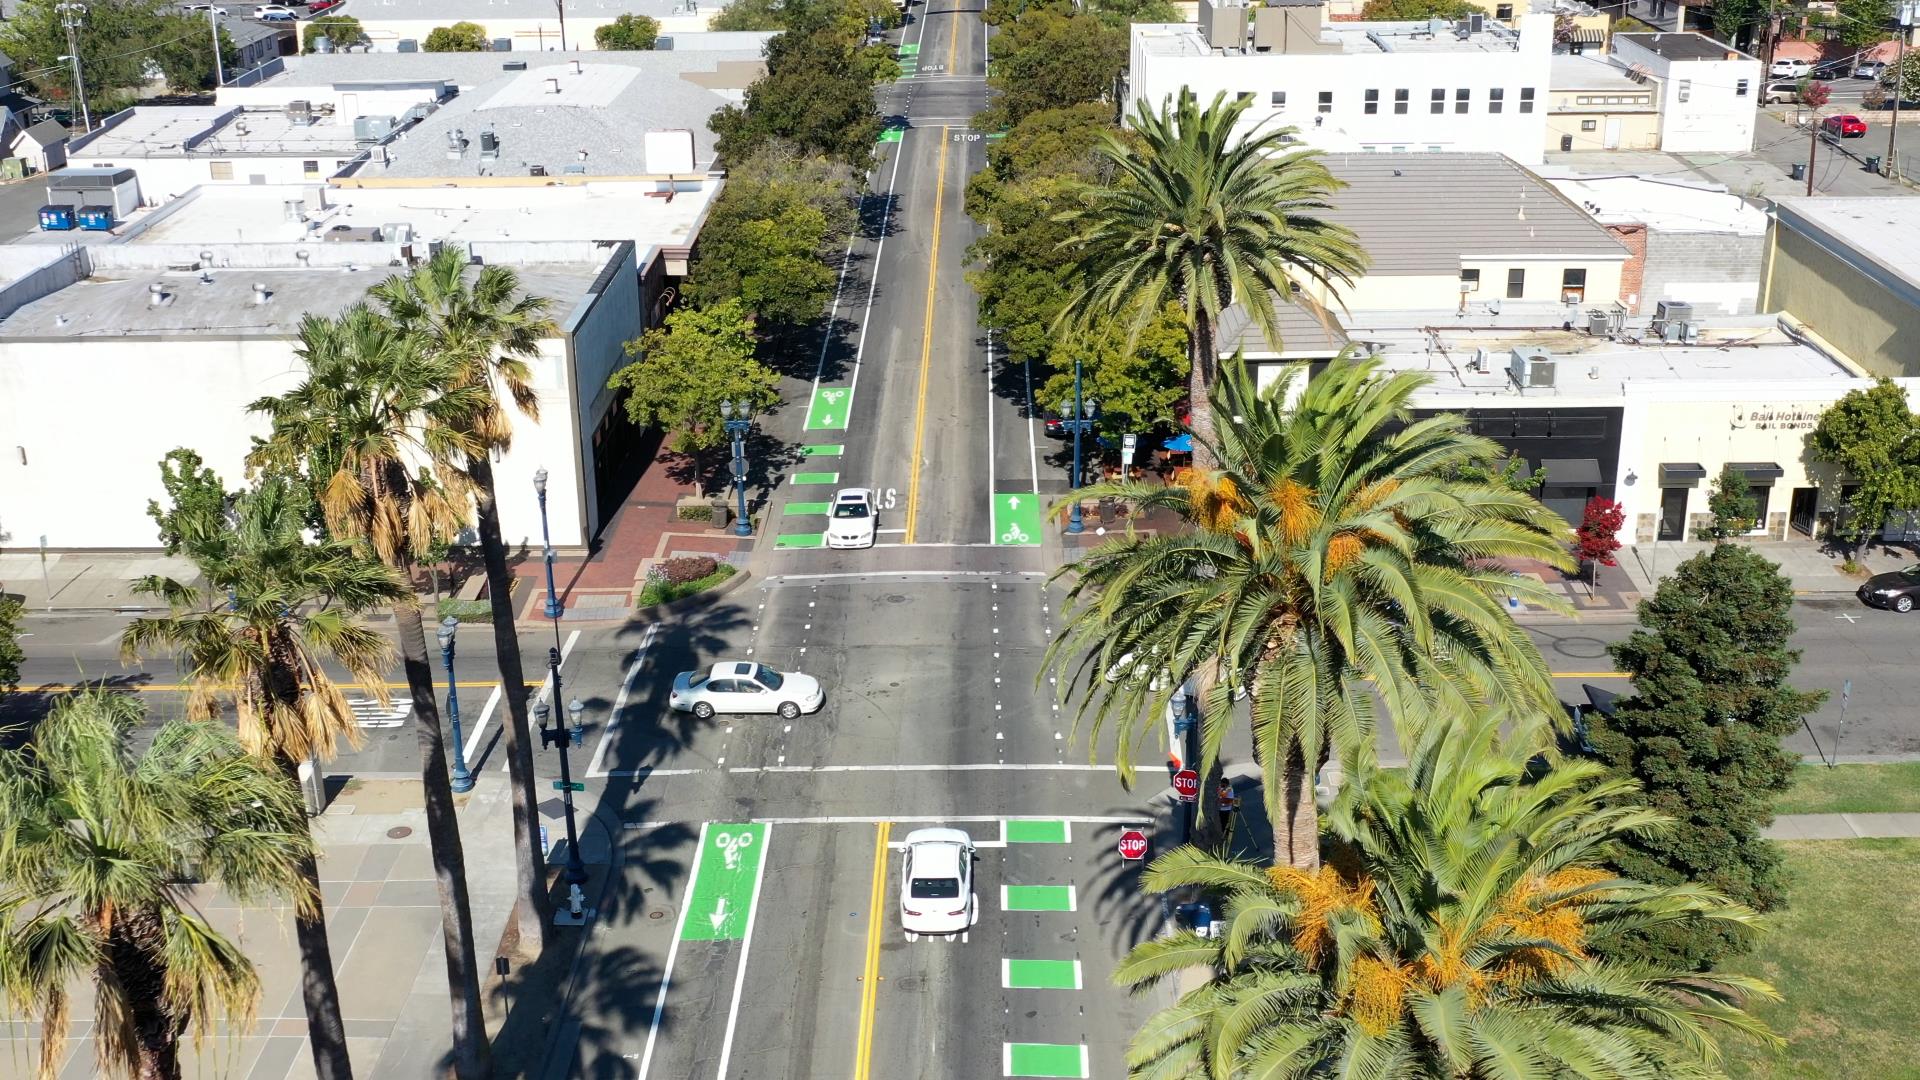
pixel 850 510
pixel 934 888
pixel 699 679
pixel 1911 573
pixel 770 678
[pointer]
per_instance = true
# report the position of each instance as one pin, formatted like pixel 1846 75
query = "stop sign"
pixel 1186 784
pixel 1133 845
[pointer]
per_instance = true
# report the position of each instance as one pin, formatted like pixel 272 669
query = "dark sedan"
pixel 1898 589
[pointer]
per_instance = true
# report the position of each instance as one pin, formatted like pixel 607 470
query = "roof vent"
pixel 260 293
pixel 489 144
pixel 536 170
pixel 158 296
pixel 553 86
pixel 302 256
pixel 514 65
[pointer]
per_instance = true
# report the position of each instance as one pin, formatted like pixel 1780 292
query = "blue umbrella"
pixel 1181 444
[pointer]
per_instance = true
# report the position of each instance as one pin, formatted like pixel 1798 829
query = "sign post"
pixel 1128 442
pixel 1133 845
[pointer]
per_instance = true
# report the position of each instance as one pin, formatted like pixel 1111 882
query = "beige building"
pixel 1595 105
pixel 1848 269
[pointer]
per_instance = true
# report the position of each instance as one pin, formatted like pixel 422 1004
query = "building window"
pixel 1461 99
pixel 1583 101
pixel 1373 102
pixel 1573 285
pixel 1526 99
pixel 1740 88
pixel 1686 90
pixel 1280 100
pixel 1496 99
pixel 310 168
pixel 1516 284
pixel 1326 101
pixel 1470 280
pixel 1399 149
pixel 220 170
pixel 1439 101
pixel 1400 102
pixel 1503 11
pixel 1589 125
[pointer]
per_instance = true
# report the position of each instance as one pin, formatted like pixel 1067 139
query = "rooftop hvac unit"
pixel 420 111
pixel 536 170
pixel 372 129
pixel 501 44
pixel 1678 330
pixel 1598 323
pixel 299 112
pixel 1531 366
pixel 1476 23
pixel 514 65
pixel 489 144
pixel 1672 310
pixel 408 45
pixel 295 209
pixel 1480 361
pixel 575 169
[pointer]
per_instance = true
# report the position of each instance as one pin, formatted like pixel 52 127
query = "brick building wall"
pixel 1633 271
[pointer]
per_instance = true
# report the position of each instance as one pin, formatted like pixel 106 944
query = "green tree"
pixel 1418 10
pixel 339 30
pixel 254 641
pixel 117 40
pixel 1329 562
pixel 376 429
pixel 1701 734
pixel 11 655
pixel 460 37
pixel 1862 24
pixel 1050 58
pixel 681 371
pixel 817 93
pixel 1122 13
pixel 483 325
pixel 628 31
pixel 1874 435
pixel 1206 217
pixel 1138 384
pixel 770 234
pixel 750 15
pixel 98 826
pixel 1458 929
pixel 1905 76
pixel 1732 504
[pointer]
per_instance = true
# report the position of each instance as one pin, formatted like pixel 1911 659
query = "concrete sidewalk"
pixel 1842 826
pixel 1811 569
pixel 87 582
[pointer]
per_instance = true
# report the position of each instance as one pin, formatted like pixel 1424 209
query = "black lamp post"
pixel 462 777
pixel 1078 413
pixel 738 418
pixel 564 738
pixel 554 606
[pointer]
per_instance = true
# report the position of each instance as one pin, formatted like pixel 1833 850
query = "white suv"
pixel 1788 68
pixel 936 884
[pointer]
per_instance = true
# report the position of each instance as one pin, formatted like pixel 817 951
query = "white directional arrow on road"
pixel 719 916
pixel 1013 502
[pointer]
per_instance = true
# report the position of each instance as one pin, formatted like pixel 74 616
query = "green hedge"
pixel 696 512
pixel 660 592
pixel 466 610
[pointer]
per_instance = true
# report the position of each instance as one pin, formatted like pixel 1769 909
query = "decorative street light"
pixel 1077 413
pixel 554 606
pixel 738 418
pixel 462 777
pixel 564 738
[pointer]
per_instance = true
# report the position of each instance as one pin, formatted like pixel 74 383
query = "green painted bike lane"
pixel 726 879
pixel 1016 519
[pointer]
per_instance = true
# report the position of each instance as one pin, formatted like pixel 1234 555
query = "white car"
pixel 738 686
pixel 853 520
pixel 273 12
pixel 936 884
pixel 1787 67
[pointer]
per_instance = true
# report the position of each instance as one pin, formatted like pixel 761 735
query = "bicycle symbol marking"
pixel 1014 535
pixel 731 845
pixel 832 397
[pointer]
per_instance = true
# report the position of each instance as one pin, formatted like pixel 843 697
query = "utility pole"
pixel 561 5
pixel 1905 18
pixel 1813 143
pixel 213 24
pixel 71 13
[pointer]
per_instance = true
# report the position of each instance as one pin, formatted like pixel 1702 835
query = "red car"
pixel 318 6
pixel 1847 126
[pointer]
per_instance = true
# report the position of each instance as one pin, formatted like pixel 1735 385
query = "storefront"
pixel 1577 448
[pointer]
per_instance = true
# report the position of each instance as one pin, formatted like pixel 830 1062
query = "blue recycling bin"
pixel 96 218
pixel 56 218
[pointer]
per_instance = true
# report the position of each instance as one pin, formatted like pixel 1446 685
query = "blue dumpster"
pixel 96 218
pixel 56 218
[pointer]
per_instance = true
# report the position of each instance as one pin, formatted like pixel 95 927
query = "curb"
pixel 658 611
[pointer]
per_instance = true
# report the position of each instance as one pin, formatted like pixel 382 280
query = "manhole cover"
pixel 896 598
pixel 656 914
pixel 399 832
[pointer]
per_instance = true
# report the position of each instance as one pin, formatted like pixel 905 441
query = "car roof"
pixel 936 858
pixel 850 494
pixel 731 669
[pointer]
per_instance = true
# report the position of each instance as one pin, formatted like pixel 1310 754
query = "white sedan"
pixel 736 686
pixel 853 520
pixel 936 884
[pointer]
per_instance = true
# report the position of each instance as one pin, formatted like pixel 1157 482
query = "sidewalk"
pixel 1811 570
pixel 86 582
pixel 1841 826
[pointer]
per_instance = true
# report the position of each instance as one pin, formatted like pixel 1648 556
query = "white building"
pixel 521 25
pixel 1401 87
pixel 1708 91
pixel 176 148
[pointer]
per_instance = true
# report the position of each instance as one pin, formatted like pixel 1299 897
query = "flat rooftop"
pixel 1885 231
pixel 485 11
pixel 468 70
pixel 172 131
pixel 1684 46
pixel 1354 39
pixel 1583 72
pixel 224 304
pixel 1662 203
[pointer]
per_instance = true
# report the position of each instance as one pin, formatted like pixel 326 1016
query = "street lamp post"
pixel 564 737
pixel 554 606
pixel 462 776
pixel 1079 414
pixel 738 418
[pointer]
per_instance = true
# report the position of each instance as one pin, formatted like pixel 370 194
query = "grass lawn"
pixel 1854 789
pixel 1846 958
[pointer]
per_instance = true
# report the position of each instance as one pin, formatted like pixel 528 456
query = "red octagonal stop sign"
pixel 1186 784
pixel 1133 845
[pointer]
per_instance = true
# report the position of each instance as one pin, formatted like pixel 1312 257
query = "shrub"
pixel 658 590
pixel 696 512
pixel 467 610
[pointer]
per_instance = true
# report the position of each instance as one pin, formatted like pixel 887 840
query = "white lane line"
pixel 873 275
pixel 673 951
pixel 486 713
pixel 889 532
pixel 925 819
pixel 620 703
pixel 983 767
pixel 880 576
pixel 746 947
pixel 1033 442
pixel 990 480
pixel 643 771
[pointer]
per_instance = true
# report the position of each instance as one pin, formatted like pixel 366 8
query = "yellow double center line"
pixel 870 972
pixel 926 344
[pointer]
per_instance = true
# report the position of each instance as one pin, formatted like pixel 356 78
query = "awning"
pixel 1571 472
pixel 1758 472
pixel 1588 35
pixel 1681 473
pixel 1180 444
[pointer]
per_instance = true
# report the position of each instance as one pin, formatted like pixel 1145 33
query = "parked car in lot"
pixel 1790 68
pixel 737 686
pixel 1781 93
pixel 853 520
pixel 936 883
pixel 1844 126
pixel 274 13
pixel 1831 69
pixel 1896 589
pixel 1870 69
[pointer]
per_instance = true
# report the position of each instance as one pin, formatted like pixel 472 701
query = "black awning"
pixel 1758 472
pixel 1681 473
pixel 1571 472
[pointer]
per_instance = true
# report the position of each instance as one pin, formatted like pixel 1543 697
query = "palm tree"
pixel 1340 551
pixel 256 638
pixel 373 429
pixel 101 839
pixel 488 330
pixel 1204 217
pixel 1450 934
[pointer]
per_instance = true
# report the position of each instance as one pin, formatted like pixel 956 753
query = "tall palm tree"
pixel 101 838
pixel 373 429
pixel 1339 551
pixel 1450 934
pixel 488 330
pixel 1204 216
pixel 256 639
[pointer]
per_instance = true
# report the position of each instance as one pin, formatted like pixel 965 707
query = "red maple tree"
pixel 1596 539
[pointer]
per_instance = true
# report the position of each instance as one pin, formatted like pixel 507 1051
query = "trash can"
pixel 722 513
pixel 1873 163
pixel 1798 170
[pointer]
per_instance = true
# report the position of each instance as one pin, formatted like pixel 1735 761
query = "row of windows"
pixel 1614 99
pixel 1402 100
pixel 223 170
pixel 1573 283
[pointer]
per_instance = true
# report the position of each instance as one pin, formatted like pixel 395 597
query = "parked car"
pixel 274 13
pixel 735 686
pixel 853 520
pixel 936 883
pixel 1781 93
pixel 194 9
pixel 1790 68
pixel 1870 69
pixel 1845 126
pixel 318 6
pixel 1896 589
pixel 1832 69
